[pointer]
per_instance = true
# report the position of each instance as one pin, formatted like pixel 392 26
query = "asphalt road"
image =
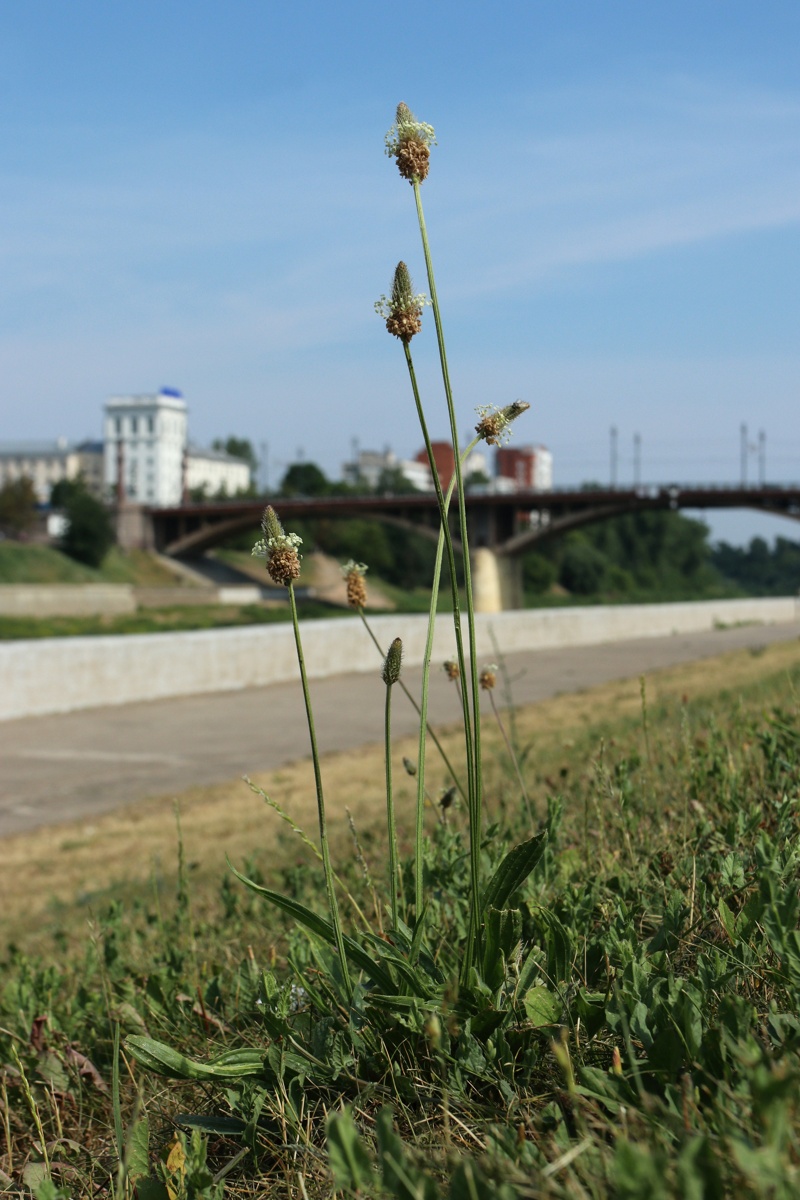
pixel 73 765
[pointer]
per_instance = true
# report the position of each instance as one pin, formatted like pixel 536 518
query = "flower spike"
pixel 410 141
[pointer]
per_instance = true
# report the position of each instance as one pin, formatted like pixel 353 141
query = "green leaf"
pixel 728 920
pixel 34 1174
pixel 222 1126
pixel 138 1149
pixel 501 934
pixel 350 1161
pixel 163 1060
pixel 558 944
pixel 541 1006
pixel 512 872
pixel 322 928
pixel 151 1189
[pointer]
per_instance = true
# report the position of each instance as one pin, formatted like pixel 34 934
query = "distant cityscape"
pixel 146 458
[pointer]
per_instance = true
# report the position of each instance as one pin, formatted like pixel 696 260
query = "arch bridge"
pixel 502 526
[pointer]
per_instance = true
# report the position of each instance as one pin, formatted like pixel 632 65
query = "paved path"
pixel 68 766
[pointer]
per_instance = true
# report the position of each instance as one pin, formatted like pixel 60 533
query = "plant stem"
pixel 393 889
pixel 430 730
pixel 323 829
pixel 446 537
pixel 475 774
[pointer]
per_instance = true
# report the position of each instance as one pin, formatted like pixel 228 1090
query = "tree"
pixel 476 479
pixel 538 573
pixel 582 567
pixel 90 532
pixel 17 507
pixel 305 479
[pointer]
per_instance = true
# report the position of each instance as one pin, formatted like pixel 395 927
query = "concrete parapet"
pixel 65 599
pixel 62 674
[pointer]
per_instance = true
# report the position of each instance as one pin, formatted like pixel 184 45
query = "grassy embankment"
pixel 43 565
pixel 650 1045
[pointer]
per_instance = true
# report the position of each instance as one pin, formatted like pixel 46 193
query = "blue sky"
pixel 195 195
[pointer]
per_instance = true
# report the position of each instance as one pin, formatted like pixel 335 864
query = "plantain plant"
pixel 370 999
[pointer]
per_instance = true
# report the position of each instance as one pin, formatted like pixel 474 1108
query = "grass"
pixel 24 563
pixel 160 620
pixel 670 839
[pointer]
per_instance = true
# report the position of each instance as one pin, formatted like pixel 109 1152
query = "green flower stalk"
pixel 391 675
pixel 283 565
pixel 354 573
pixel 475 774
pixel 409 142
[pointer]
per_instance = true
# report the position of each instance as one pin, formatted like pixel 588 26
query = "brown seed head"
pixel 451 670
pixel 413 159
pixel 411 767
pixel 494 424
pixel 402 312
pixel 354 579
pixel 405 316
pixel 488 677
pixel 279 548
pixel 283 565
pixel 405 323
pixel 409 141
pixel 489 428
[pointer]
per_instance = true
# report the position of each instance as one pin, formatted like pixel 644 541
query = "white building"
pixel 47 463
pixel 146 434
pixel 369 466
pixel 215 472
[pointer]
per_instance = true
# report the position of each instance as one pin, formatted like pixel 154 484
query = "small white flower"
pixel 406 129
pixel 352 565
pixel 264 546
pixel 385 307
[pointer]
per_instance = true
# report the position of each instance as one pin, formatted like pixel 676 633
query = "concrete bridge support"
pixel 496 581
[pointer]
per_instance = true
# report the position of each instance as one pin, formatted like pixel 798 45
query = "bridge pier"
pixel 134 527
pixel 496 581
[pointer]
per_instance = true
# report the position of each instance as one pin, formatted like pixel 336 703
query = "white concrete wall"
pixel 63 674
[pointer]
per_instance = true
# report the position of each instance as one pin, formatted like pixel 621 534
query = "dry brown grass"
pixel 53 874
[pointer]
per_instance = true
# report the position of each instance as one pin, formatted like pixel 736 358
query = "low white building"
pixel 369 465
pixel 145 439
pixel 44 463
pixel 91 458
pixel 215 473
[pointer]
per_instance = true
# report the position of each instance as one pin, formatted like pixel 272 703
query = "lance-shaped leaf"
pixel 164 1060
pixel 513 871
pixel 323 929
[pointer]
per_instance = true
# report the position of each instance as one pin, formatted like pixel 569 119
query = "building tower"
pixel 148 435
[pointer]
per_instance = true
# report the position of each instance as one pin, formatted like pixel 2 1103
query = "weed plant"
pixel 604 1007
